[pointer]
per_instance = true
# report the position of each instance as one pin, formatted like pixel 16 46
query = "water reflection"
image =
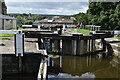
pixel 77 66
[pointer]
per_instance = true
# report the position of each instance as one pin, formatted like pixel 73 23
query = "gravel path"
pixel 29 45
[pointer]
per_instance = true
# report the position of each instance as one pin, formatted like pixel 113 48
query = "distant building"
pixel 6 22
pixel 29 17
pixel 56 20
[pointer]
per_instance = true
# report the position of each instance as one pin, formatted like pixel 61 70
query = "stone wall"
pixel 0 7
pixel 0 24
pixel 29 62
pixel 8 24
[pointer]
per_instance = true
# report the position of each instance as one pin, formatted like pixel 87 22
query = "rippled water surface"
pixel 76 66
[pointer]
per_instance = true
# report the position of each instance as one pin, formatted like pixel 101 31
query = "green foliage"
pixel 105 14
pixel 20 20
pixel 24 18
pixel 81 17
pixel 37 17
pixel 118 38
pixel 28 22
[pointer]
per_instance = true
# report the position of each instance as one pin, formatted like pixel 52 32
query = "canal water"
pixel 83 67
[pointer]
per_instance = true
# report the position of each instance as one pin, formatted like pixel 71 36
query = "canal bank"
pixel 113 46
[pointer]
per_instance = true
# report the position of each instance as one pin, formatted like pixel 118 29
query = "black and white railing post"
pixel 19 44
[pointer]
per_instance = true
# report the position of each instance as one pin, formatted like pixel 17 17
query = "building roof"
pixel 6 17
pixel 58 20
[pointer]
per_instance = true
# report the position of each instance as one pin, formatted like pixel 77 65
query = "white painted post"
pixel 60 61
pixel 99 28
pixel 63 27
pixel 38 26
pixel 19 44
pixel 48 61
pixel 45 70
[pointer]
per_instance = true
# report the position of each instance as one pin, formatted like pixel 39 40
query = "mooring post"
pixel 104 44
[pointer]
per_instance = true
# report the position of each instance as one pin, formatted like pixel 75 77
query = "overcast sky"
pixel 58 7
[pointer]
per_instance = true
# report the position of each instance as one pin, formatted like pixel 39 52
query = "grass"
pixel 9 35
pixel 6 35
pixel 18 29
pixel 83 31
pixel 118 37
pixel 5 39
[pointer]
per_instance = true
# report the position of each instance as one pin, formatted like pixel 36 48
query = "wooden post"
pixel 80 44
pixel 20 63
pixel 104 44
pixel 74 47
pixel 60 61
pixel 51 41
pixel 88 49
pixel 93 48
pixel 57 45
pixel 0 66
pixel 67 46
pixel 19 43
pixel 85 46
pixel 40 44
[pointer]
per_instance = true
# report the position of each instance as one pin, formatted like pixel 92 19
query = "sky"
pixel 57 7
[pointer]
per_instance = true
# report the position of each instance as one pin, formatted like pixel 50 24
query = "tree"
pixel 104 14
pixel 37 17
pixel 20 20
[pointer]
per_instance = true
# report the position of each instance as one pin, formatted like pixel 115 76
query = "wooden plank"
pixel 40 72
